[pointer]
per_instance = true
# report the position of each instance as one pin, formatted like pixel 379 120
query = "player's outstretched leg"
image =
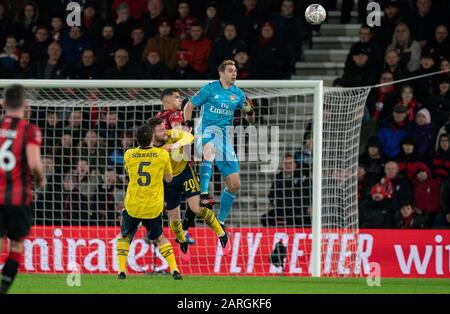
pixel 206 170
pixel 177 228
pixel 233 183
pixel 123 247
pixel 210 219
pixel 188 221
pixel 11 266
pixel 166 250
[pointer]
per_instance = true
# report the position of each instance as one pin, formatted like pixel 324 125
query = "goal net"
pixel 88 126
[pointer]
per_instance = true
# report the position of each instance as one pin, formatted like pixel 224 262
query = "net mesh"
pixel 86 132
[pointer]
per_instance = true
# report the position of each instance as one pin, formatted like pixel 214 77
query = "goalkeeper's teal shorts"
pixel 225 156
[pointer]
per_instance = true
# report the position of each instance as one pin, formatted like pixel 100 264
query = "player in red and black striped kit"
pixel 20 157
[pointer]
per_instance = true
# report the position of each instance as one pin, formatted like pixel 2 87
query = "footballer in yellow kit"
pixel 147 167
pixel 184 183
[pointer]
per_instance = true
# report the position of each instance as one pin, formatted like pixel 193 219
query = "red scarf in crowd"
pixel 411 107
pixel 380 101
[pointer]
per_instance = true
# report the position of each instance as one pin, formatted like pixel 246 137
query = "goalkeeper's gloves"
pixel 248 106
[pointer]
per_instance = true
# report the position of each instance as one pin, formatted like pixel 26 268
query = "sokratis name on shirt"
pixel 144 155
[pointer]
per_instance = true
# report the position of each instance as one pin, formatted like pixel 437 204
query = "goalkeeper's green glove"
pixel 248 106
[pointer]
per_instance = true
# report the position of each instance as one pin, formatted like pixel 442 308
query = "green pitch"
pixel 223 285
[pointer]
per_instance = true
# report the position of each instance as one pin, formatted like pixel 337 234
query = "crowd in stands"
pixel 150 39
pixel 405 158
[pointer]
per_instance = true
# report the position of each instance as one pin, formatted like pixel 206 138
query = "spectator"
pixel 116 156
pixel 27 68
pixel 53 128
pixel 123 25
pixel 394 65
pixel 393 131
pixel 359 71
pixel 75 126
pixel 137 46
pixel 104 199
pixel 270 54
pixel 184 70
pixel 397 185
pixel 290 31
pixel 92 22
pixel 122 70
pixel 106 47
pixel 381 100
pixel 88 68
pixel 109 127
pixel 184 21
pixel 373 159
pixel 303 158
pixel 384 33
pixel 425 86
pixel 165 43
pixel 439 102
pixel 364 182
pixel 74 205
pixel 423 133
pixel 409 217
pixel 408 49
pixel 65 154
pixel 10 55
pixel 214 26
pixel 25 23
pixel 57 26
pixel 223 49
pixel 289 195
pixel 247 20
pixel 367 44
pixel 153 68
pixel 423 21
pixel 151 18
pixel 441 158
pixel 85 178
pixel 55 67
pixel 39 46
pixel 408 101
pixel 92 149
pixel 5 24
pixel 442 219
pixel 408 159
pixel 135 7
pixel 199 48
pixel 243 64
pixel 439 47
pixel 73 45
pixel 377 211
pixel 426 193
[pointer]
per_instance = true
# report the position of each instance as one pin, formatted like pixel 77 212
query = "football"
pixel 315 14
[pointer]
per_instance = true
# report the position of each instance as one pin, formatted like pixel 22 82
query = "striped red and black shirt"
pixel 170 117
pixel 15 178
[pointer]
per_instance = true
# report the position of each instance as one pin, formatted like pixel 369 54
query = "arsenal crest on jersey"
pixel 232 97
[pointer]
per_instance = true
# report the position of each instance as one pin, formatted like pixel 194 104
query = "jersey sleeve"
pixel 201 96
pixel 34 135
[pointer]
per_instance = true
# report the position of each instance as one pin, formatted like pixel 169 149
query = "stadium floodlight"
pixel 292 116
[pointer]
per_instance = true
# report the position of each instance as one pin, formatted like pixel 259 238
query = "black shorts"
pixel 129 226
pixel 15 221
pixel 185 184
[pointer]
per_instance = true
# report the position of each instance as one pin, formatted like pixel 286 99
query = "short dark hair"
pixel 288 155
pixel 168 92
pixel 224 64
pixel 144 135
pixel 14 96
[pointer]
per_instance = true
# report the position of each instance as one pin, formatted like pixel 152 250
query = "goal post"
pixel 299 221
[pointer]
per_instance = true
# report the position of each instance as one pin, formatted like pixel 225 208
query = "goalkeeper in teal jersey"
pixel 218 101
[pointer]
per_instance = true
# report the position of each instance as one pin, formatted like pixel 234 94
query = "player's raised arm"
pixel 196 101
pixel 168 172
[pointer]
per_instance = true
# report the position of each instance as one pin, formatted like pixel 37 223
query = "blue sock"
pixel 206 169
pixel 226 202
